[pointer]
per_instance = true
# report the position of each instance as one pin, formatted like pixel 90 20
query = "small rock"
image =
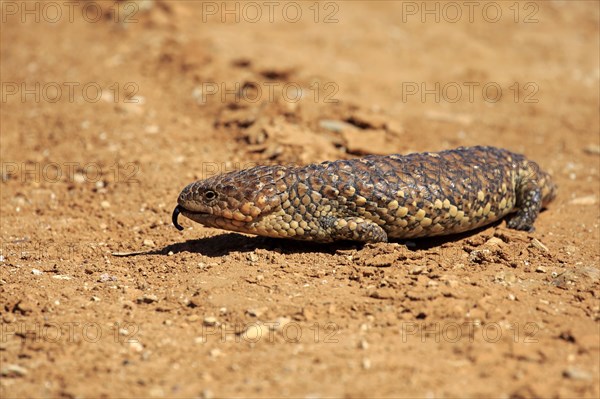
pixel 210 321
pixel 538 244
pixel 257 312
pixel 136 346
pixel 418 270
pixel 149 243
pixel 79 178
pixel 147 298
pixel 105 204
pixel 576 373
pixel 215 352
pixel 193 318
pixel 95 299
pixel 363 344
pixel 62 277
pixel 152 129
pixel 36 272
pixel 13 370
pixel 105 277
pixel 335 126
pixel 207 394
pixel 512 297
pixel 593 149
pixel 366 363
pixel 383 293
pixel 255 332
pixel 587 200
pixel 494 242
pixel 540 269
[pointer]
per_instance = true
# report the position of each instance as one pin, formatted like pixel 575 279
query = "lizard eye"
pixel 210 195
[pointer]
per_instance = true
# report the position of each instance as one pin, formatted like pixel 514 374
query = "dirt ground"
pixel 110 109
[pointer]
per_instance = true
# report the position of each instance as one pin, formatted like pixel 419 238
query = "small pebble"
pixel 257 312
pixel 576 373
pixel 13 370
pixel 210 321
pixel 538 244
pixel 587 200
pixel 147 298
pixel 366 363
pixel 105 204
pixel 149 243
pixel 136 346
pixel 540 269
pixel 335 126
pixel 418 270
pixel 62 277
pixel 152 129
pixel 593 149
pixel 494 241
pixel 207 394
pixel 36 272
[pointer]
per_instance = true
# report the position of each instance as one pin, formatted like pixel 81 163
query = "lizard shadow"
pixel 226 243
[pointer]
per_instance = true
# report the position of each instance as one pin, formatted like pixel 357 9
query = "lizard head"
pixel 233 201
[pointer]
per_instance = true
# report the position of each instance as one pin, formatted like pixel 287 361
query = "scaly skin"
pixel 374 198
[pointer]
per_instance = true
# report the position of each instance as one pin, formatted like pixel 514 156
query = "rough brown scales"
pixel 374 198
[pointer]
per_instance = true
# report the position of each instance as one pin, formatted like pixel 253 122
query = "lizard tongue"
pixel 176 213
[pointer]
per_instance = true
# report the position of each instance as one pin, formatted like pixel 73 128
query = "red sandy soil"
pixel 208 313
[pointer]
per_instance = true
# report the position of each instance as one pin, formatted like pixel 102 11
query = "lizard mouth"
pixel 185 212
pixel 205 218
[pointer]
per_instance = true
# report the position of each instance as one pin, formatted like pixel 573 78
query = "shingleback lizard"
pixel 374 198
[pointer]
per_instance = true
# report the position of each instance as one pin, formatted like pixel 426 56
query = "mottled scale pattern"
pixel 375 198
